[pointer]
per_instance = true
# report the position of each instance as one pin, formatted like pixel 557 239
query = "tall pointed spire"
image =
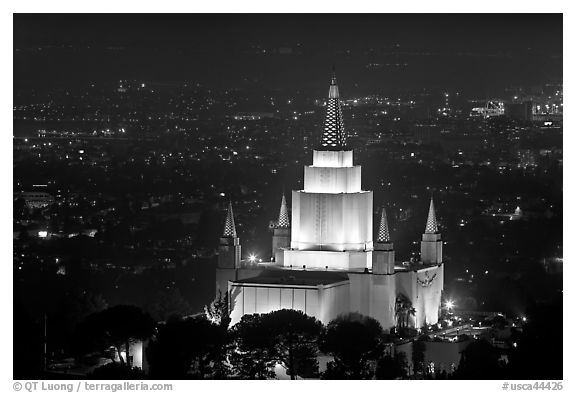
pixel 283 219
pixel 229 227
pixel 431 224
pixel 334 135
pixel 333 92
pixel 383 232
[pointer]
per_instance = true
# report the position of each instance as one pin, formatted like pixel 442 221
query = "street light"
pixel 449 304
pixel 252 258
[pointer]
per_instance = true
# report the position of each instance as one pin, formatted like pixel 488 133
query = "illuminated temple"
pixel 326 261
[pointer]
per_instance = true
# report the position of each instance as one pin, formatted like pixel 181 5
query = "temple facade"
pixel 326 261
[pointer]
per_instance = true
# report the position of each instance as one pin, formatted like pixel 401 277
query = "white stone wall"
pixel 431 248
pixel 343 260
pixel 384 300
pixel 432 295
pixel 332 180
pixel 137 353
pixel 323 302
pixel 374 295
pixel 424 289
pixel 335 222
pixel 330 158
pixel 334 300
pixel 281 239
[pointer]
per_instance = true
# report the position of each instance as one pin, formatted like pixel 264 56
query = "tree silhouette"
pixel 295 340
pixel 187 348
pixel 253 357
pixel 534 356
pixel 479 361
pixel 217 311
pixel 354 341
pixel 391 367
pixel 73 307
pixel 116 327
pixel 418 350
pixel 403 310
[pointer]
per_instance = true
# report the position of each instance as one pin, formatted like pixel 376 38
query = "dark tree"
pixel 28 344
pixel 535 354
pixel 354 341
pixel 116 327
pixel 418 350
pixel 295 340
pixel 73 307
pixel 254 357
pixel 480 360
pixel 188 348
pixel 391 367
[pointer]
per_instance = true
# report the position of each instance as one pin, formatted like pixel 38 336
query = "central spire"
pixel 333 92
pixel 334 136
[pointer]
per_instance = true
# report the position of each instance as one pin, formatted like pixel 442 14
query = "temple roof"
pixel 295 277
pixel 334 135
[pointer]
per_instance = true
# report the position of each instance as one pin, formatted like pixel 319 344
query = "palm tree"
pixel 403 310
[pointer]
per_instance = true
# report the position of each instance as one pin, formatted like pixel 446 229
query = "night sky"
pixel 471 52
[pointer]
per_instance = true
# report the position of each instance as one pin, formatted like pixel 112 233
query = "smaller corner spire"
pixel 383 232
pixel 431 223
pixel 229 226
pixel 283 218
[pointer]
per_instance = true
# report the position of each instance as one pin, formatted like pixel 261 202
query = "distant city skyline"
pixel 473 52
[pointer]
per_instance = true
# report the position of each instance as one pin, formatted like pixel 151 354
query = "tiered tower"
pixel 228 253
pixel 431 245
pixel 383 257
pixel 332 215
pixel 326 263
